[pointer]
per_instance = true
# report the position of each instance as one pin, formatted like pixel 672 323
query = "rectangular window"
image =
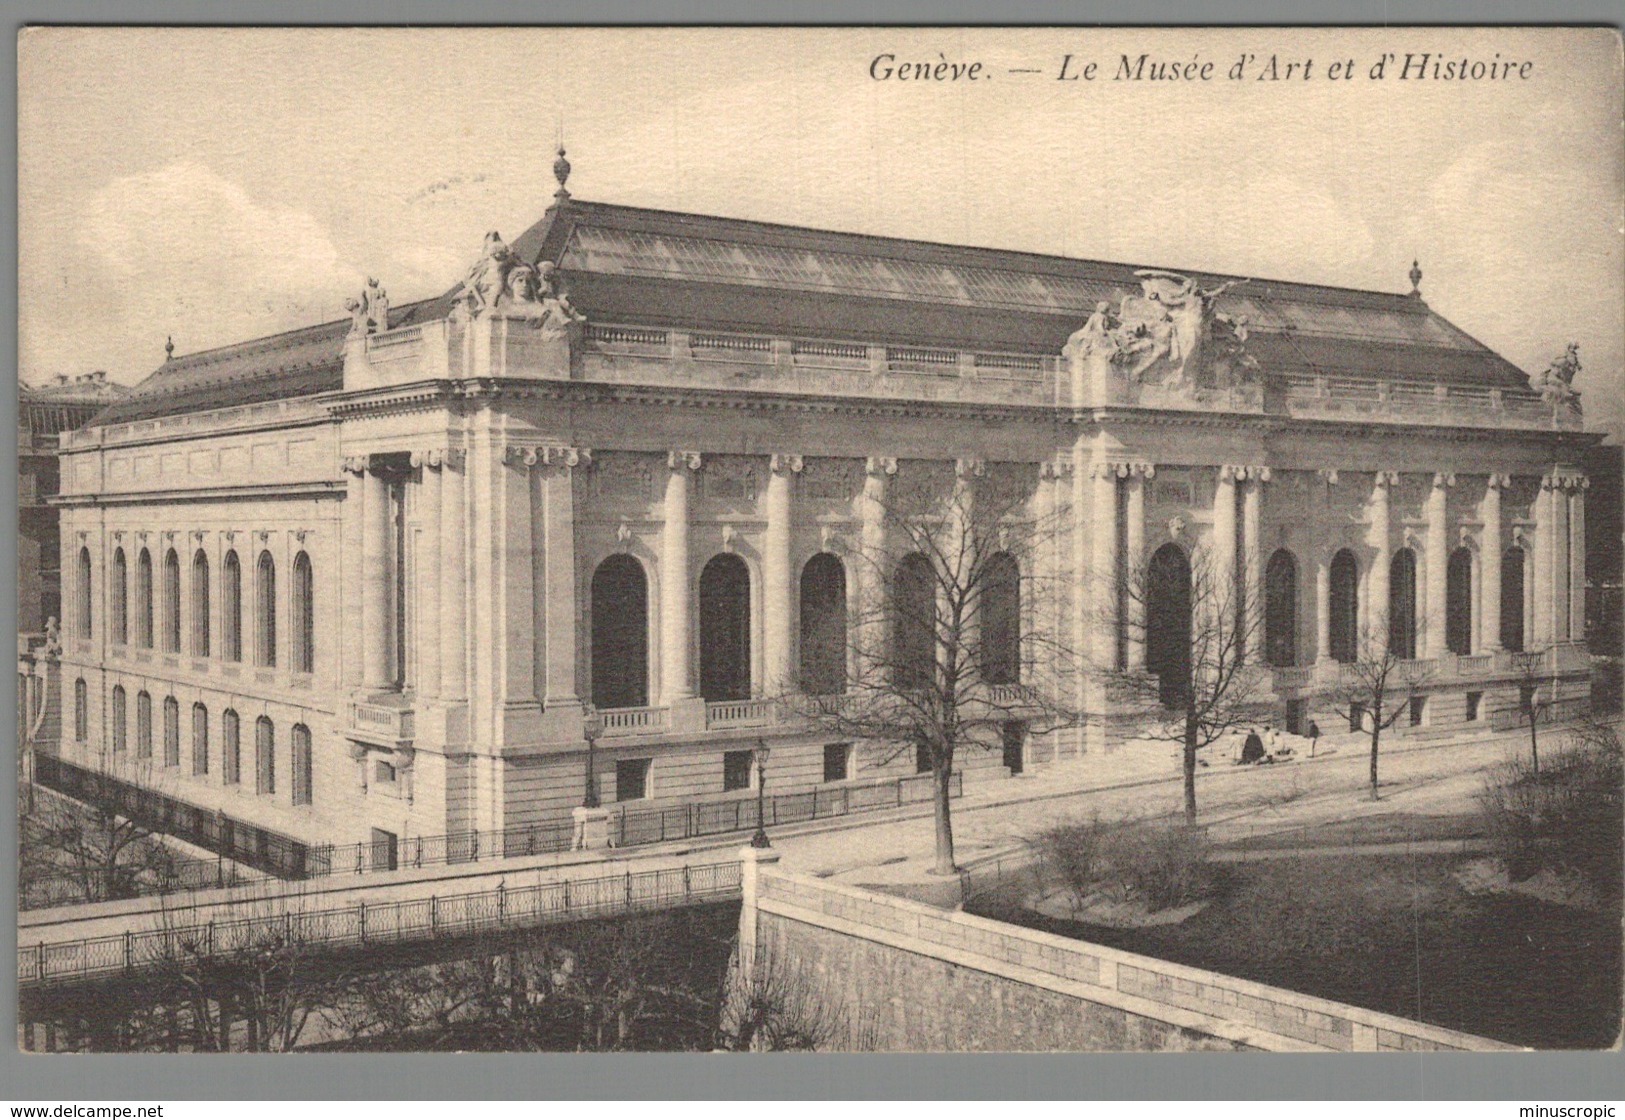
pixel 383 774
pixel 1418 705
pixel 143 725
pixel 631 779
pixel 1013 736
pixel 119 719
pixel 385 854
pixel 922 758
pixel 1474 701
pixel 1356 717
pixel 736 767
pixel 231 758
pixel 837 761
pixel 172 732
pixel 81 710
pixel 200 739
pixel 301 765
pixel 264 757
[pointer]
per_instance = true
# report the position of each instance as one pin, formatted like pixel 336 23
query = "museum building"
pixel 411 572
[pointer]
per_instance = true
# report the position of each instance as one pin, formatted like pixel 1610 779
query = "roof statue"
pixel 370 313
pixel 1556 384
pixel 1170 335
pixel 501 283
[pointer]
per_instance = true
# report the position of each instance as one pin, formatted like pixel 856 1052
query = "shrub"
pixel 1163 865
pixel 1568 816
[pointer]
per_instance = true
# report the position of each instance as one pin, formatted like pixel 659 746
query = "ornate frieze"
pixel 829 479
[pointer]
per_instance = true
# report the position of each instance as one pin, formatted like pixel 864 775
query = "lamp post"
pixel 592 726
pixel 760 840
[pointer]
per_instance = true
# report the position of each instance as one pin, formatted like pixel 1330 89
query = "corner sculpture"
pixel 500 283
pixel 1171 336
pixel 370 313
pixel 1556 384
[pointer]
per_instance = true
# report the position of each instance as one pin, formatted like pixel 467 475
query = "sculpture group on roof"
pixel 501 283
pixel 1556 384
pixel 370 313
pixel 1171 334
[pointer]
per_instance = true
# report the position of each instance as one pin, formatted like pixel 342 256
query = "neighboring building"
pixel 358 581
pixel 44 412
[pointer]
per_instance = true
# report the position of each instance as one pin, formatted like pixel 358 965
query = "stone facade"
pixel 389 553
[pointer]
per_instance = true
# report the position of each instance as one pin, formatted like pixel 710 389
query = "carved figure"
pixel 53 636
pixel 1169 334
pixel 377 302
pixel 358 317
pixel 487 280
pixel 1556 385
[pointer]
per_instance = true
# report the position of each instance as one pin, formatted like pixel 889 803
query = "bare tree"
pixel 778 1004
pixel 1534 700
pixel 1200 691
pixel 80 851
pixel 1375 690
pixel 957 631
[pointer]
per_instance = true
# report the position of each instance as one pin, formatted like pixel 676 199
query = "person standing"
pixel 1314 737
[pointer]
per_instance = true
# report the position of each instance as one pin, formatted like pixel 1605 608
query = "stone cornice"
pixel 268 491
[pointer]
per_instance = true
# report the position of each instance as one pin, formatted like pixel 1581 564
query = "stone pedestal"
pixel 688 714
pixel 592 828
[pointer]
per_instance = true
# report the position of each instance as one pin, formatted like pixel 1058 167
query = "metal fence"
pixel 716 818
pixel 377 923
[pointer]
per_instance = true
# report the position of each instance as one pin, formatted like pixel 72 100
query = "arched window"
pixel 1458 602
pixel 231 753
pixel 143 724
pixel 231 607
pixel 200 604
pixel 1402 604
pixel 620 634
pixel 725 628
pixel 172 731
pixel 1344 607
pixel 823 626
pixel 172 602
pixel 1512 600
pixel 304 616
pixel 81 593
pixel 1168 623
pixel 120 719
pixel 914 623
pixel 1001 620
pixel 265 611
pixel 200 739
pixel 119 590
pixel 301 765
pixel 1281 609
pixel 264 756
pixel 143 599
pixel 81 710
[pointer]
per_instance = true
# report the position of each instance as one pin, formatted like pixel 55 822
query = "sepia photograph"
pixel 902 540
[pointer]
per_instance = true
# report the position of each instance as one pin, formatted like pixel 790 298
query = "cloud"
pixel 198 253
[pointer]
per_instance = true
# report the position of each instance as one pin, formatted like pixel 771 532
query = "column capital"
pixel 970 466
pixel 355 464
pixel 1234 472
pixel 1328 475
pixel 1385 479
pixel 677 460
pixel 880 465
pixel 1055 468
pixel 1498 481
pixel 1443 479
pixel 1565 481
pixel 780 463
pixel 1142 470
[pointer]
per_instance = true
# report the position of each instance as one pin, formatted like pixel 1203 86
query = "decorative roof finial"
pixel 169 347
pixel 1416 279
pixel 561 172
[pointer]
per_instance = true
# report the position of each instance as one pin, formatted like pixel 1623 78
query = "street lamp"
pixel 760 840
pixel 592 726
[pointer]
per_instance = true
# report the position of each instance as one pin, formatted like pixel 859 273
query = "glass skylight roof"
pixel 596 249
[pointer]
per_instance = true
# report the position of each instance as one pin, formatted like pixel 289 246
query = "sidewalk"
pixel 1143 779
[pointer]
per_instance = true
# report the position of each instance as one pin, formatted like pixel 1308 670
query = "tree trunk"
pixel 1190 773
pixel 942 780
pixel 1534 746
pixel 1376 736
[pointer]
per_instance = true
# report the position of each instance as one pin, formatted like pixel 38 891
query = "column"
pixel 675 681
pixel 453 581
pixel 1252 501
pixel 1108 602
pixel 559 575
pixel 427 591
pixel 1577 559
pixel 1134 557
pixel 1376 639
pixel 963 551
pixel 1323 608
pixel 376 622
pixel 1438 547
pixel 1490 551
pixel 778 600
pixel 874 559
pixel 1224 538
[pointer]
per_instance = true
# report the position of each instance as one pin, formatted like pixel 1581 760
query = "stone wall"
pixel 911 977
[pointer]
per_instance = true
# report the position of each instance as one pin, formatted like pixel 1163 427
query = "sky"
pixel 220 184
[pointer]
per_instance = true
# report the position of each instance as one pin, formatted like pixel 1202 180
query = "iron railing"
pixel 366 923
pixel 716 818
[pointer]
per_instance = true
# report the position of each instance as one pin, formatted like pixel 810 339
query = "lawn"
pixel 1395 934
